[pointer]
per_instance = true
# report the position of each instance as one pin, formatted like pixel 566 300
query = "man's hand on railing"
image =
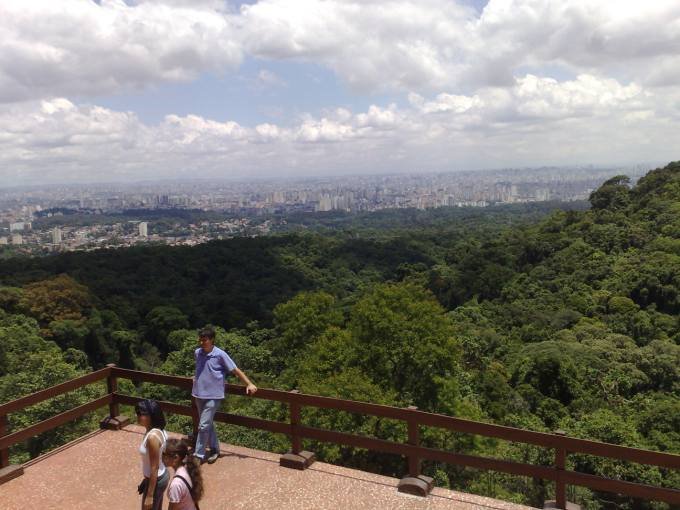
pixel 250 387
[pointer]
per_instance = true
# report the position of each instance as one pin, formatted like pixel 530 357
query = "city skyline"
pixel 85 217
pixel 169 89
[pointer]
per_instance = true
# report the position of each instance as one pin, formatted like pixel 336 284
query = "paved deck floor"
pixel 102 471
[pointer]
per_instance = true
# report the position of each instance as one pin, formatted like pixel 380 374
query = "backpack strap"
pixel 188 487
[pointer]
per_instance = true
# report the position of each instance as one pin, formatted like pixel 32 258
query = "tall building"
pixel 144 229
pixel 56 235
pixel 325 203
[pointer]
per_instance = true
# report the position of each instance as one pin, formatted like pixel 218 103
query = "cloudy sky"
pixel 145 89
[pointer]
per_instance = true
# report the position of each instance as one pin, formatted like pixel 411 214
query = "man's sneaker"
pixel 213 457
pixel 200 459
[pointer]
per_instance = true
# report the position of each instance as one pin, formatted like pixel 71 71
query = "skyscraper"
pixel 56 235
pixel 144 229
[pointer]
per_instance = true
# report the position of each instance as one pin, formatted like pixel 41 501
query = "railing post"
pixel 560 486
pixel 4 453
pixel 560 465
pixel 297 458
pixel 296 440
pixel 415 483
pixel 112 387
pixel 7 471
pixel 114 421
pixel 414 462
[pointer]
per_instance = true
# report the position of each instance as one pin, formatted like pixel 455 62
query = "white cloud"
pixel 437 44
pixel 370 44
pixel 538 120
pixel 376 117
pixel 586 95
pixel 626 36
pixel 445 103
pixel 268 132
pixel 77 47
pixel 323 130
pixel 559 80
pixel 72 47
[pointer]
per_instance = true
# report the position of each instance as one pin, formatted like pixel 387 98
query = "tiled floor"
pixel 102 471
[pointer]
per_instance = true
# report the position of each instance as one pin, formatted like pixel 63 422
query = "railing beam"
pixel 53 391
pixel 54 421
pixel 545 439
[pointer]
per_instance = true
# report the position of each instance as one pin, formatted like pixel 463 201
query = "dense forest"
pixel 567 320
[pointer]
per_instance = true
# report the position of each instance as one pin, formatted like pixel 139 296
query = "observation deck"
pixel 101 470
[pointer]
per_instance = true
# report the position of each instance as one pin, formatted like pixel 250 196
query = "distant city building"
pixel 325 204
pixel 144 229
pixel 19 226
pixel 56 235
pixel 17 239
pixel 4 241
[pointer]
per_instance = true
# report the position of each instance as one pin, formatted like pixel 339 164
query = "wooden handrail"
pixel 421 418
pixel 233 419
pixel 55 421
pixel 413 417
pixel 53 391
pixel 7 440
pixel 548 440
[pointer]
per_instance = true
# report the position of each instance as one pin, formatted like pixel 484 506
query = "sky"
pixel 134 90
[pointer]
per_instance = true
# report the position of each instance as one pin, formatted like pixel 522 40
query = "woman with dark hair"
pixel 186 487
pixel 150 416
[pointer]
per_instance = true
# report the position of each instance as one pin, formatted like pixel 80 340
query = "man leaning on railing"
pixel 212 364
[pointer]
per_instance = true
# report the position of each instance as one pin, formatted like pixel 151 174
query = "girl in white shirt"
pixel 186 487
pixel 151 417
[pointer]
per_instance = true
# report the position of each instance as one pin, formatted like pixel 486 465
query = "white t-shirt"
pixel 178 492
pixel 144 452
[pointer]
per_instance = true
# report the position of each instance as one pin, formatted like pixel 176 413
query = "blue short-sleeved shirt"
pixel 211 370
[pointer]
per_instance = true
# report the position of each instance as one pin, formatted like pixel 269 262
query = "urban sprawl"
pixel 40 220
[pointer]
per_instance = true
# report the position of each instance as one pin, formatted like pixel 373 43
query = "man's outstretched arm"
pixel 250 387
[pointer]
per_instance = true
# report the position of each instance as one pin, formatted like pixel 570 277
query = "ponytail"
pixel 193 466
pixel 180 448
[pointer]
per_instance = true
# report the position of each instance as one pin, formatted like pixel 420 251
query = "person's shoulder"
pixel 220 352
pixel 182 471
pixel 178 489
pixel 177 482
pixel 197 351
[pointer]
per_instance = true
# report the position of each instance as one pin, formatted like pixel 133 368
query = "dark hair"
pixel 207 332
pixel 153 409
pixel 181 448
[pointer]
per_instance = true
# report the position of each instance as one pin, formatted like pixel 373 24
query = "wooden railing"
pixel 562 445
